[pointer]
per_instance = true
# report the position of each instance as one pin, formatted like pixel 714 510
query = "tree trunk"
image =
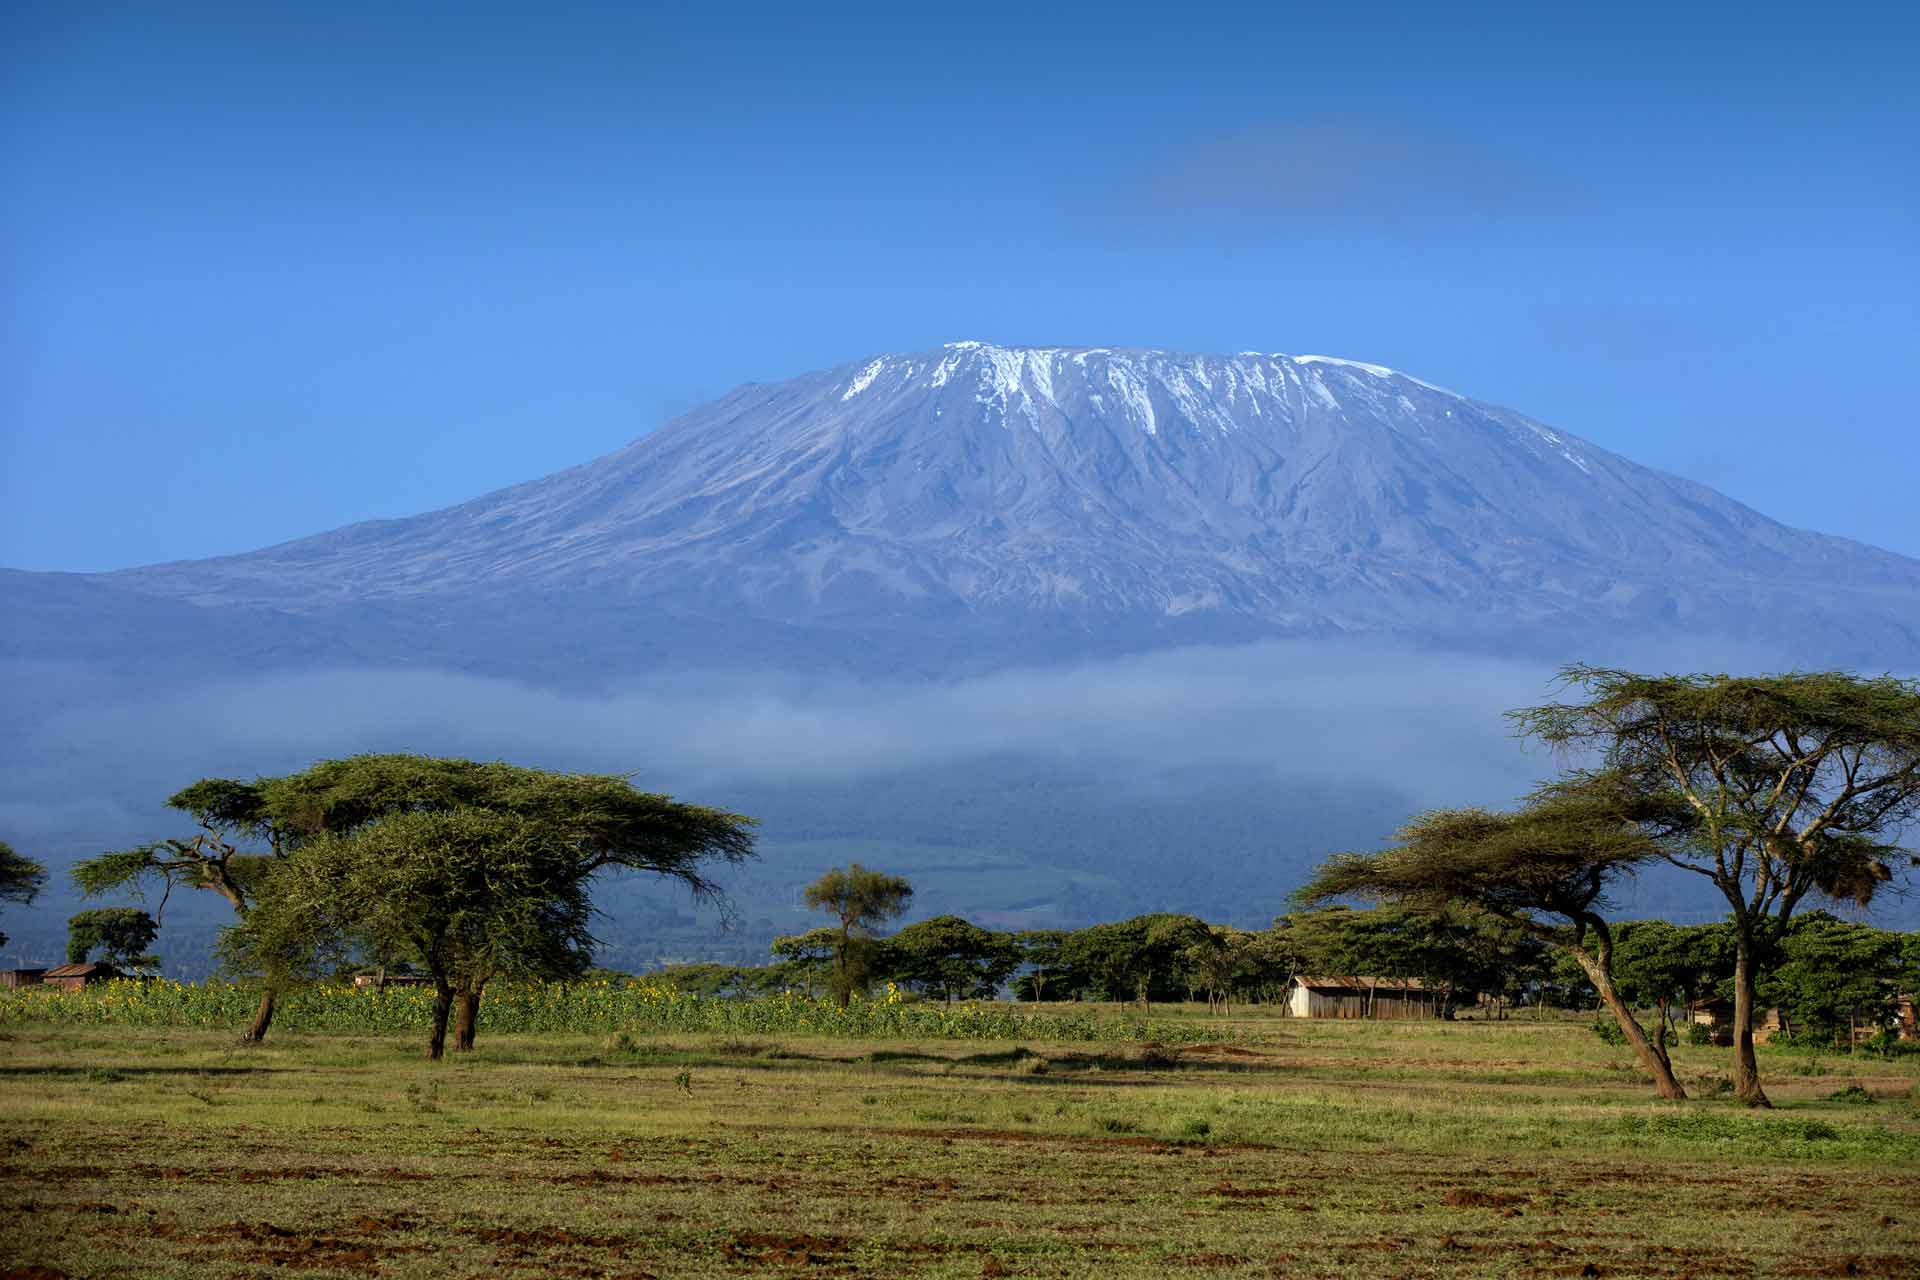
pixel 1660 1036
pixel 1746 1067
pixel 442 1006
pixel 262 1019
pixel 1655 1063
pixel 843 963
pixel 466 1018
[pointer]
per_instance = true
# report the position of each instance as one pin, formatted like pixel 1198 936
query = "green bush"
pixel 1609 1031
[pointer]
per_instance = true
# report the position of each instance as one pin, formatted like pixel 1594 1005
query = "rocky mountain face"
pixel 991 504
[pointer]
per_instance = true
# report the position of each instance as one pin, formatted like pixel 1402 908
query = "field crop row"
pixel 605 1007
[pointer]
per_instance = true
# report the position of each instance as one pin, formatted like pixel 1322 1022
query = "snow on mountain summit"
pixel 1022 376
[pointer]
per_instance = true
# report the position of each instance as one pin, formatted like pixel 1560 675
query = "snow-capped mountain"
pixel 911 526
pixel 1115 497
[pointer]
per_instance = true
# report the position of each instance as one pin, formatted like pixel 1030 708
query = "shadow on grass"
pixel 1014 1066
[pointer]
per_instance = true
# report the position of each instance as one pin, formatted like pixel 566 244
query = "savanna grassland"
pixel 1270 1147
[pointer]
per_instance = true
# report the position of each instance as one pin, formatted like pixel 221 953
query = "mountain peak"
pixel 1104 490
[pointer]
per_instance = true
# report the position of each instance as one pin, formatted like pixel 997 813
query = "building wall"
pixel 1388 1004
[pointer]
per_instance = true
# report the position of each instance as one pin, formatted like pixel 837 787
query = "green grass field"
pixel 1275 1148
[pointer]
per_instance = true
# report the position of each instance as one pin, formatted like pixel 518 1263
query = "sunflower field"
pixel 634 1006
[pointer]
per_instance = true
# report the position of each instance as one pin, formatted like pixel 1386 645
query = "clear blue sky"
pixel 273 268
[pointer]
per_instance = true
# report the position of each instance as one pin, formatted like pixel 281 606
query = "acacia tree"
pixel 1798 784
pixel 1130 958
pixel 1669 966
pixel 806 957
pixel 861 900
pixel 1040 951
pixel 20 878
pixel 1224 960
pixel 1546 869
pixel 593 822
pixel 121 934
pixel 467 896
pixel 228 811
pixel 1832 977
pixel 952 957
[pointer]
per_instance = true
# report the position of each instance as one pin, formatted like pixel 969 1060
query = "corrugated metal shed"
pixel 75 976
pixel 1350 996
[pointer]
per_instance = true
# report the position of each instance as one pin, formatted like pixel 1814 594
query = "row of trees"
pixel 1826 975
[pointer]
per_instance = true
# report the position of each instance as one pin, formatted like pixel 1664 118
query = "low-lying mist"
pixel 1205 779
pixel 1430 725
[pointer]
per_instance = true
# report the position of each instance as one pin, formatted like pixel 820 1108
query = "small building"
pixel 1356 997
pixel 1716 1014
pixel 392 980
pixel 1906 1019
pixel 12 978
pixel 75 976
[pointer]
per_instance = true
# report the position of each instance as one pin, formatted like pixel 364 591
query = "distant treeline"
pixel 1827 975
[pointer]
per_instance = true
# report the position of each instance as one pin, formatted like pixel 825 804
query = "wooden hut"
pixel 75 976
pixel 12 978
pixel 1716 1014
pixel 1357 997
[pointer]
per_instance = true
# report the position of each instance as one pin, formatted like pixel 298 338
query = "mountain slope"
pixel 1099 488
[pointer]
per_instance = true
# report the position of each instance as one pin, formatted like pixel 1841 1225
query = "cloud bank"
pixel 1430 725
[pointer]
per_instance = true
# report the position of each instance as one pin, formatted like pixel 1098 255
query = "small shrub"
pixel 1812 1067
pixel 1715 1086
pixel 1155 1057
pixel 1609 1031
pixel 1116 1124
pixel 104 1075
pixel 1195 1127
pixel 1698 1034
pixel 1853 1094
pixel 1885 1043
